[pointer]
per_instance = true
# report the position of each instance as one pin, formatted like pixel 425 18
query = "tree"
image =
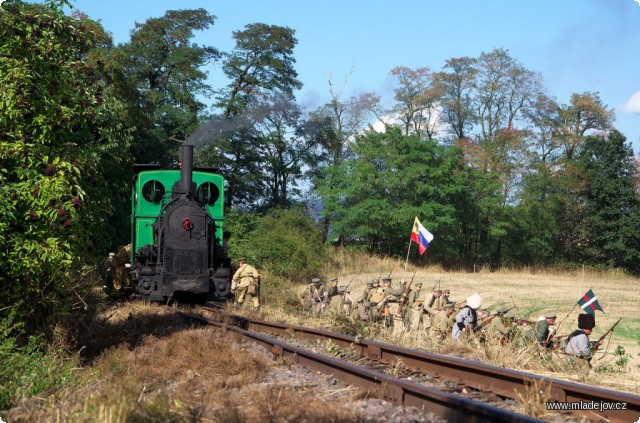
pixel 262 61
pixel 612 224
pixel 284 147
pixel 584 113
pixel 457 87
pixel 544 115
pixel 65 140
pixel 417 101
pixel 390 180
pixel 165 68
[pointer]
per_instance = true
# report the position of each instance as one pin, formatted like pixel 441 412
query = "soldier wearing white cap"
pixel 467 318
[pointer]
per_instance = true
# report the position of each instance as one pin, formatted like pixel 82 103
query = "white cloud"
pixel 380 125
pixel 633 104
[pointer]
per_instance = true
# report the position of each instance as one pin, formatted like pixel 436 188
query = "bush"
pixel 285 243
pixel 27 370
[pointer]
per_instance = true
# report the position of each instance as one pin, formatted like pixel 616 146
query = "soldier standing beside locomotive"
pixel 245 284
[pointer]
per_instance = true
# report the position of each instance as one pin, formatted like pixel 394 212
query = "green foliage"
pixel 28 369
pixel 164 68
pixel 391 179
pixel 622 358
pixel 62 125
pixel 619 366
pixel 284 243
pixel 612 221
pixel 262 61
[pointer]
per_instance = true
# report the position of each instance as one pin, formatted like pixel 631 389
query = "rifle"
pixel 354 278
pixel 404 295
pixel 487 319
pixel 602 338
pixel 259 291
pixel 435 284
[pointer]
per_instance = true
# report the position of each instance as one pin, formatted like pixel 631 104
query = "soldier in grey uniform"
pixel 578 343
pixel 467 319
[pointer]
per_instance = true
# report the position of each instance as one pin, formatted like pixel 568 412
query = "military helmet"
pixel 418 285
pixel 386 279
pixel 550 316
pixel 315 281
pixel 510 314
pixel 449 304
pixel 370 283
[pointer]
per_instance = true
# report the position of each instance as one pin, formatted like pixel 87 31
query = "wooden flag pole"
pixel 407 261
pixel 558 326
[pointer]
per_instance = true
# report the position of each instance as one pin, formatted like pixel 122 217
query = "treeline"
pixel 497 169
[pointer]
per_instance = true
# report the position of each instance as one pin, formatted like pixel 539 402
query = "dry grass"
pixel 535 400
pixel 144 363
pixel 532 292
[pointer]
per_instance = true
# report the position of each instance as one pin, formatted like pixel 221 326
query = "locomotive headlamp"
pixel 187 224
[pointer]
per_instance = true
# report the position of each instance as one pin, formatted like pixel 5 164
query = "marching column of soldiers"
pixel 431 313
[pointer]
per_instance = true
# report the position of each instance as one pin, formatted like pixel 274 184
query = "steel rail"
pixel 482 377
pixel 448 406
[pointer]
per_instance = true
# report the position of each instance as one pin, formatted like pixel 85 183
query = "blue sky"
pixel 577 45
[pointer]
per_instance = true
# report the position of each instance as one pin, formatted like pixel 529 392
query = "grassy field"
pixel 532 294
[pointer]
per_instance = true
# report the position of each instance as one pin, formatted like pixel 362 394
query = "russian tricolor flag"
pixel 420 236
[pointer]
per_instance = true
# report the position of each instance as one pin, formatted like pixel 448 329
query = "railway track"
pixel 395 390
pixel 480 377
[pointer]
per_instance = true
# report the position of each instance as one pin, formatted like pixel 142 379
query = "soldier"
pixel 444 298
pixel 335 296
pixel 391 296
pixel 317 295
pixel 578 343
pixel 467 318
pixel 542 330
pixel 107 272
pixel 348 302
pixel 412 308
pixel 443 322
pixel 245 284
pixel 119 268
pixel 416 309
pixel 362 310
pixel 430 307
pixel 500 330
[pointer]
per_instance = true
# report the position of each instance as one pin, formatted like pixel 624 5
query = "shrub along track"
pixel 467 375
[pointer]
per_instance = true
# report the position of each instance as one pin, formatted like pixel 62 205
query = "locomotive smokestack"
pixel 186 169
